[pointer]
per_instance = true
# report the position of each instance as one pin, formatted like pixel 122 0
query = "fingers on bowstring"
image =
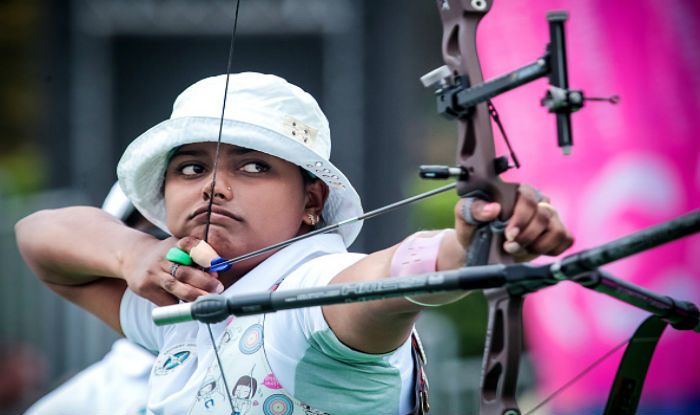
pixel 150 287
pixel 187 283
pixel 201 252
pixel 187 243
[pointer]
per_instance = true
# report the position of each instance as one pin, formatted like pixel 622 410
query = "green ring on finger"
pixel 179 256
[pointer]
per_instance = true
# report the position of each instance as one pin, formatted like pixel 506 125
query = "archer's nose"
pixel 220 188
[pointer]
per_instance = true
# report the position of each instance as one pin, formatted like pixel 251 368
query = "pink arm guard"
pixel 416 255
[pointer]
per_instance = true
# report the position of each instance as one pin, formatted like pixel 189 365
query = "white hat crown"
pixel 264 100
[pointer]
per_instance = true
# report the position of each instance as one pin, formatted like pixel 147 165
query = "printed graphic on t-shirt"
pixel 253 389
pixel 278 404
pixel 243 394
pixel 251 341
pixel 211 392
pixel 173 358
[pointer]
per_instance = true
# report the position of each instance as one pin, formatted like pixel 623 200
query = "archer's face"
pixel 259 199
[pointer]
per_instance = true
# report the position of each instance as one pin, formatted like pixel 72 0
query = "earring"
pixel 312 219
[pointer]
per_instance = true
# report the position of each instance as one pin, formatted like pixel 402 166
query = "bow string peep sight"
pixel 456 97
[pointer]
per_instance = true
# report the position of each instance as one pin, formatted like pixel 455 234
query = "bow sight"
pixel 456 97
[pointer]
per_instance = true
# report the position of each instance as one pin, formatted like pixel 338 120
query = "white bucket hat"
pixel 263 113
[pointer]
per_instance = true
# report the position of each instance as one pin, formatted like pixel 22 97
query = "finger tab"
pixel 178 256
pixel 203 254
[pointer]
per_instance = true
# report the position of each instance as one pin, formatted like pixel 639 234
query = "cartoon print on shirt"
pixel 253 388
pixel 210 394
pixel 242 394
pixel 225 338
pixel 173 358
pixel 271 382
pixel 232 332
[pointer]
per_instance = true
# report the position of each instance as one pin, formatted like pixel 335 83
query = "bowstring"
pixel 581 374
pixel 221 120
pixel 213 185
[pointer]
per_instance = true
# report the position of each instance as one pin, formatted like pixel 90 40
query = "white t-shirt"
pixel 304 354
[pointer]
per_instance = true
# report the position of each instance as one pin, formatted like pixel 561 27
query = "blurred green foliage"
pixel 22 167
pixel 22 170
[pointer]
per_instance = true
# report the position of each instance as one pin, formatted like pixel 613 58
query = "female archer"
pixel 270 180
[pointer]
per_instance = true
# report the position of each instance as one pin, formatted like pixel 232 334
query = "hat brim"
pixel 141 170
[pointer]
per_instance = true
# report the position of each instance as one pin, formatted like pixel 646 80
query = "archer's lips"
pixel 215 210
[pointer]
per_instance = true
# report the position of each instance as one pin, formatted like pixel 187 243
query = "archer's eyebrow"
pixel 194 153
pixel 237 151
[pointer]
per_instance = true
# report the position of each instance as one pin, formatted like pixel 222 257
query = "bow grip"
pixel 476 153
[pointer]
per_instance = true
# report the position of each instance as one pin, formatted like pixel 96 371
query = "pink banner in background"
pixel 633 165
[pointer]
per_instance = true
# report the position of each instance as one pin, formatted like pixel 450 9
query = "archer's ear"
pixel 316 195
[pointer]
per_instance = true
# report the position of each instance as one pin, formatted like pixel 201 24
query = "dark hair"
pixel 247 381
pixel 307 176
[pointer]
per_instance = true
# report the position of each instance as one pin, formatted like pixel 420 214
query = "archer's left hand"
pixel 534 229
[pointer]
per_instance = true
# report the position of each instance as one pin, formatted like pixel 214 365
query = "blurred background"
pixel 80 79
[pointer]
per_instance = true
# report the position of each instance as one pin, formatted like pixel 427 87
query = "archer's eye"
pixel 191 169
pixel 255 167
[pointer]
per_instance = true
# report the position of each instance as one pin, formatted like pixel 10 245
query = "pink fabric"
pixel 633 165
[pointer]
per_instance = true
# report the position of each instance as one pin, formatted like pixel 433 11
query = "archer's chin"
pixel 224 242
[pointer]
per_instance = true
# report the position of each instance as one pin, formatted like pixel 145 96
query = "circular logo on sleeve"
pixel 172 359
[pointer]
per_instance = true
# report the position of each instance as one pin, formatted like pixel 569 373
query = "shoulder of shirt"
pixel 320 271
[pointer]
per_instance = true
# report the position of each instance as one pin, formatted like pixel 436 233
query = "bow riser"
pixel 476 152
pixel 476 155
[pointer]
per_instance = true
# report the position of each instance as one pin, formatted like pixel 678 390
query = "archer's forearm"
pixel 383 325
pixel 76 245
